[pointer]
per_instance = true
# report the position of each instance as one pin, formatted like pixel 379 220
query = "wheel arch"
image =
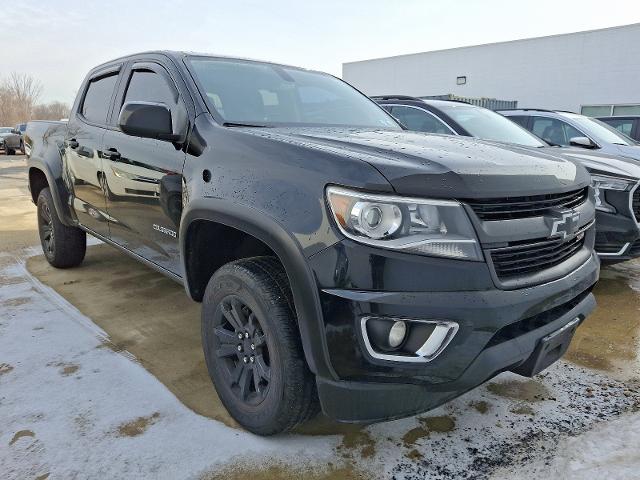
pixel 41 176
pixel 285 247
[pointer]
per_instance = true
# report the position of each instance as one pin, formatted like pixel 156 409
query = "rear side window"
pixel 554 131
pixel 98 98
pixel 147 86
pixel 419 120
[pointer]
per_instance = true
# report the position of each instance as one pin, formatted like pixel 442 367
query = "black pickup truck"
pixel 341 260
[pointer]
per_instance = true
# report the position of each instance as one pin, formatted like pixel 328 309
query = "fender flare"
pixel 274 235
pixel 56 185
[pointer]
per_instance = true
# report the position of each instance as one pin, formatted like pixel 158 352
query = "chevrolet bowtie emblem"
pixel 567 225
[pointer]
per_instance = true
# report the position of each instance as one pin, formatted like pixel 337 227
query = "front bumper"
pixel 499 329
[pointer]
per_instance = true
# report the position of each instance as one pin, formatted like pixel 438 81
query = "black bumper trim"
pixel 360 402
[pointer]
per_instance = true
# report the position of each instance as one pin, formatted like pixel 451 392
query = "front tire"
pixel 63 246
pixel 253 349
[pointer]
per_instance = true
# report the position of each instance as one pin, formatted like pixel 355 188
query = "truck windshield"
pixel 600 131
pixel 5 129
pixel 251 93
pixel 489 125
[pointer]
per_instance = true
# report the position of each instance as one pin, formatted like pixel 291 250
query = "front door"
pixel 83 162
pixel 144 176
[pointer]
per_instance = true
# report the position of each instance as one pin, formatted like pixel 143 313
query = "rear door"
pixel 144 176
pixel 83 150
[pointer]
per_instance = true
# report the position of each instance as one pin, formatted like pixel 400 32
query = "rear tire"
pixel 262 378
pixel 63 246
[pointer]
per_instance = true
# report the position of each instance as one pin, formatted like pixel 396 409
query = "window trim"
pixel 137 65
pixel 453 132
pixel 114 70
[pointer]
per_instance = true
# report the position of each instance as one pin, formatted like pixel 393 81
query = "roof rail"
pixel 527 109
pixel 395 97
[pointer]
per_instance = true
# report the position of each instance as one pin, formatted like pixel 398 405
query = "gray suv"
pixel 566 129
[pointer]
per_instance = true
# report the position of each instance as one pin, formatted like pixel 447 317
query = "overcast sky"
pixel 58 42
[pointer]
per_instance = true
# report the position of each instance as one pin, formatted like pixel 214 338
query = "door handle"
pixel 73 144
pixel 111 154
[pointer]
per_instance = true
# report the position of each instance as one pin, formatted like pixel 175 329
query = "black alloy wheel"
pixel 241 345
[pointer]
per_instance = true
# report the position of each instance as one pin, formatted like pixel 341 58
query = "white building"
pixel 594 72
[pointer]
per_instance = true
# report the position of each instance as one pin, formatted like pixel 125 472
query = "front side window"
pixel 262 94
pixel 147 86
pixel 600 131
pixel 554 131
pixel 98 98
pixel 419 120
pixel 489 125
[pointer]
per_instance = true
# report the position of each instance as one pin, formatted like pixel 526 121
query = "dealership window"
pixel 609 110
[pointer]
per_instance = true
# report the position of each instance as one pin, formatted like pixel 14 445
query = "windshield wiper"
pixel 236 124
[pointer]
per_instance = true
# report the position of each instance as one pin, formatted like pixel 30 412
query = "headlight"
pixel 601 183
pixel 427 227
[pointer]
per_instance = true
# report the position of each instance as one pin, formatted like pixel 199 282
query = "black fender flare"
pixel 58 190
pixel 273 234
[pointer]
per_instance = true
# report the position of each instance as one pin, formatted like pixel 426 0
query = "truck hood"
pixel 441 165
pixel 604 163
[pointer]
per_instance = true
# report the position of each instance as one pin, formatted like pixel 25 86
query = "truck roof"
pixel 180 54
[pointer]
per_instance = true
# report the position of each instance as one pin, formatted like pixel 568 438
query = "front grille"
pixel 635 203
pixel 528 258
pixel 530 206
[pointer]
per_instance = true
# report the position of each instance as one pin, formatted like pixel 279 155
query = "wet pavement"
pixel 149 320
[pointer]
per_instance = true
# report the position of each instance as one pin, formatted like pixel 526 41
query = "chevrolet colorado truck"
pixel 342 262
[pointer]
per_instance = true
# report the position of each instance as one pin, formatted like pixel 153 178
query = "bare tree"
pixel 18 95
pixel 50 111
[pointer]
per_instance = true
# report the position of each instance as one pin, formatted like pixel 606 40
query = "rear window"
pixel 98 98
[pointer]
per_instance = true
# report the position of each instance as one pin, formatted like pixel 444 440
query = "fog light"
pixel 397 333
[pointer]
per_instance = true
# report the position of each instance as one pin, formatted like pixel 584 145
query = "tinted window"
pixel 553 131
pixel 624 126
pixel 146 86
pixel 419 120
pixel 265 94
pixel 488 125
pixel 97 99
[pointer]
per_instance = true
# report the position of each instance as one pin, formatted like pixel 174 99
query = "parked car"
pixel 10 140
pixel 571 129
pixel 627 124
pixel 341 261
pixel 614 177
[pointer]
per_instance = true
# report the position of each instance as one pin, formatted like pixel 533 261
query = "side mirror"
pixel 15 132
pixel 583 142
pixel 147 120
